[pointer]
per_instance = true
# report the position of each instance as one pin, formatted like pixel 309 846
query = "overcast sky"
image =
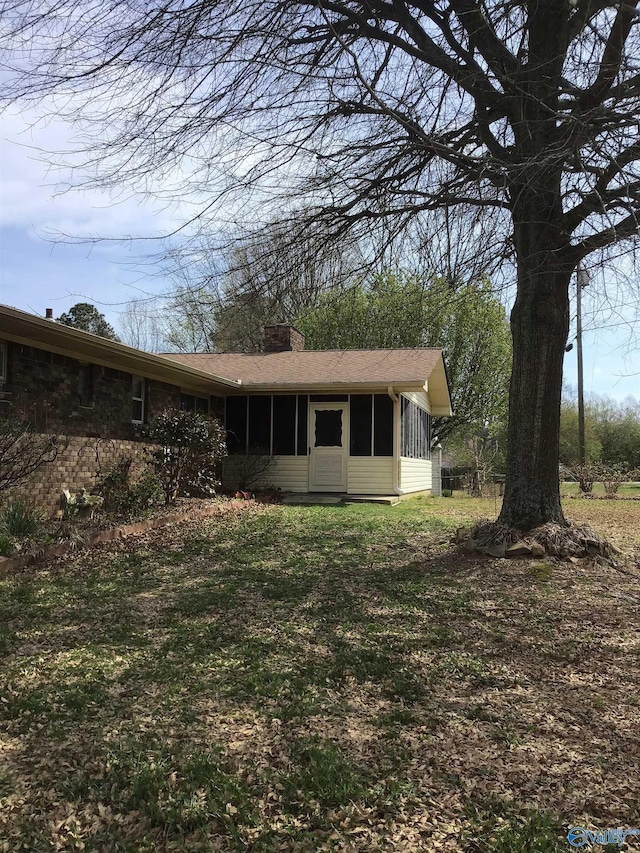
pixel 38 272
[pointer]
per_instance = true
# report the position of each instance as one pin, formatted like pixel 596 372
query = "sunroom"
pixel 355 422
pixel 333 442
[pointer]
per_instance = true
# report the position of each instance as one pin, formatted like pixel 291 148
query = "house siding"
pixel 370 475
pixel 420 398
pixel 415 475
pixel 289 473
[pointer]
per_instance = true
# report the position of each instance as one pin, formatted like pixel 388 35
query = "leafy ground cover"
pixel 320 678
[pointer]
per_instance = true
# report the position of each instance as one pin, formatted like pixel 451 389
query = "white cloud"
pixel 31 188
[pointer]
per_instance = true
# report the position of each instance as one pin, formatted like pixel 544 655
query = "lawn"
pixel 320 678
pixel 626 490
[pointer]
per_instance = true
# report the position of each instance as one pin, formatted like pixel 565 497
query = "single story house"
pixel 348 421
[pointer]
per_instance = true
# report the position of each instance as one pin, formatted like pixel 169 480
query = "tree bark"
pixel 540 326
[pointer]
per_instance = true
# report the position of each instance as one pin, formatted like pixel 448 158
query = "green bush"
pixel 20 520
pixel 190 447
pixel 6 546
pixel 122 496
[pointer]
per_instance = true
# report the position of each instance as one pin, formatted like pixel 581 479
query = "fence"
pixel 458 479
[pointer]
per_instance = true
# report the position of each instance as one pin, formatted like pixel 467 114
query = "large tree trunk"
pixel 539 325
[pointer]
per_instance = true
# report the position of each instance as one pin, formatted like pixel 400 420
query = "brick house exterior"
pixel 347 421
pixel 51 376
pixel 44 385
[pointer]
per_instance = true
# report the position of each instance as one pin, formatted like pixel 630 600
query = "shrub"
pixel 22 451
pixel 20 520
pixel 586 475
pixel 248 472
pixel 190 449
pixel 122 497
pixel 612 477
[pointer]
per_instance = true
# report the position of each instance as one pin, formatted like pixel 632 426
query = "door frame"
pixel 313 408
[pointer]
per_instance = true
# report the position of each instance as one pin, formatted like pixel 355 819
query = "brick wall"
pixel 43 387
pixel 79 460
pixel 283 338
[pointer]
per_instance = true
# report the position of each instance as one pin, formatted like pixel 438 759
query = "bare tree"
pixel 23 451
pixel 142 324
pixel 374 112
pixel 223 298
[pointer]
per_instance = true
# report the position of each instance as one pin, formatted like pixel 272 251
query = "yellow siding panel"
pixel 420 398
pixel 370 475
pixel 289 473
pixel 415 474
pixel 366 475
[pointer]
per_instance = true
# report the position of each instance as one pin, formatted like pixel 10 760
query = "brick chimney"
pixel 48 314
pixel 283 338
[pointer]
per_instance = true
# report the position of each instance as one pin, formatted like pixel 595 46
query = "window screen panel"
pixel 360 422
pixel 415 431
pixel 260 425
pixel 405 417
pixel 303 414
pixel 328 428
pixel 383 425
pixel 427 428
pixel 284 425
pixel 137 399
pixel 236 424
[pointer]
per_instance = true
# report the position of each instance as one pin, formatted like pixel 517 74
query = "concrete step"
pixel 313 498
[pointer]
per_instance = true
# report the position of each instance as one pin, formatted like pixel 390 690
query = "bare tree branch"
pixel 367 115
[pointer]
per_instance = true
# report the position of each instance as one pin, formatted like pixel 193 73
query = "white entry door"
pixel 328 444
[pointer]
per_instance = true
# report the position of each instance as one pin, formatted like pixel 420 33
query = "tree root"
pixel 552 540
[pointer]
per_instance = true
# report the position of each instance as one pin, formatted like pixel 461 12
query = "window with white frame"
pixel 137 400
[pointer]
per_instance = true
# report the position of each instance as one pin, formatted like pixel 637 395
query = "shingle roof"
pixel 320 367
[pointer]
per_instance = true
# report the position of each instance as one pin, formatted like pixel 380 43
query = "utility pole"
pixel 582 277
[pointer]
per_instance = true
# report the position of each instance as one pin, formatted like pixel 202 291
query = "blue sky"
pixel 38 272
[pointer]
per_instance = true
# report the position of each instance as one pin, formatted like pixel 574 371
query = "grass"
pixel 319 678
pixel 626 490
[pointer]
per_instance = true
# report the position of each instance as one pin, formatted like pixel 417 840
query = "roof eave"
pixel 343 387
pixel 437 386
pixel 21 327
